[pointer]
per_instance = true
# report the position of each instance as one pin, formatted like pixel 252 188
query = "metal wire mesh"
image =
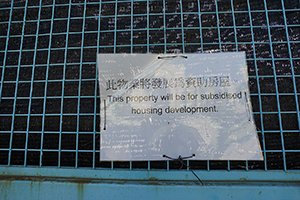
pixel 49 99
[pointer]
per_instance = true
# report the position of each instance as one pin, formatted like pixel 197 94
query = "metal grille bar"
pixel 49 99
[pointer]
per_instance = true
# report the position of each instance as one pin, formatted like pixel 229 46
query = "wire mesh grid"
pixel 49 98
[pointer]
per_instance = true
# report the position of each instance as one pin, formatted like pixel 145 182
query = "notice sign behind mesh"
pixel 192 104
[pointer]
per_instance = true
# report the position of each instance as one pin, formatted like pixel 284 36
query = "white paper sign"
pixel 154 105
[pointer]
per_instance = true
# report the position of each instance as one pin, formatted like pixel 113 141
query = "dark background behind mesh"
pixel 49 109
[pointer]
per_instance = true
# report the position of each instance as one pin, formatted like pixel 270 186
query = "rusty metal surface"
pixel 182 176
pixel 42 188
